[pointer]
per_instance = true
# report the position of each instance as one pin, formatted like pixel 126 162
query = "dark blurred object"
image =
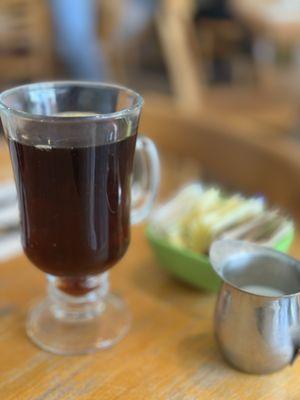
pixel 25 41
pixel 213 9
pixel 225 43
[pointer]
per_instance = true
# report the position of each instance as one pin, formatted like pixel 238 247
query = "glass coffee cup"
pixel 82 177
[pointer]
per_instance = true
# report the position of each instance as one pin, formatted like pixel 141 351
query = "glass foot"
pixel 78 325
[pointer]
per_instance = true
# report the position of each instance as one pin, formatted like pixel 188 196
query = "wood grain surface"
pixel 169 353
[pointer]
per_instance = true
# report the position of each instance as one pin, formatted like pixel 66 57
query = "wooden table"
pixel 169 354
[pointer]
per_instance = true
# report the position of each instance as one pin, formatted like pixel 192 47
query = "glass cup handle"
pixel 146 176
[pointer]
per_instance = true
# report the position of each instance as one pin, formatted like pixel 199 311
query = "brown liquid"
pixel 75 207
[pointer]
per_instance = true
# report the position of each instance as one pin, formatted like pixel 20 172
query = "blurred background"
pixel 221 78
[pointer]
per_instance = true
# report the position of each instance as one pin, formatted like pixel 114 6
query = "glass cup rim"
pixel 138 103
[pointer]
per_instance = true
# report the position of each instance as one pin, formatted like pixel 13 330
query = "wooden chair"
pixel 25 41
pixel 175 29
pixel 178 39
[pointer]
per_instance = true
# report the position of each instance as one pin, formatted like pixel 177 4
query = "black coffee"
pixel 74 205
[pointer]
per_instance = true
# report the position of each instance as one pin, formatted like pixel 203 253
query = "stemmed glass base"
pixel 71 324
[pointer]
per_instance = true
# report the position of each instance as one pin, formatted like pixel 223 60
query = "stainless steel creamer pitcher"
pixel 257 322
